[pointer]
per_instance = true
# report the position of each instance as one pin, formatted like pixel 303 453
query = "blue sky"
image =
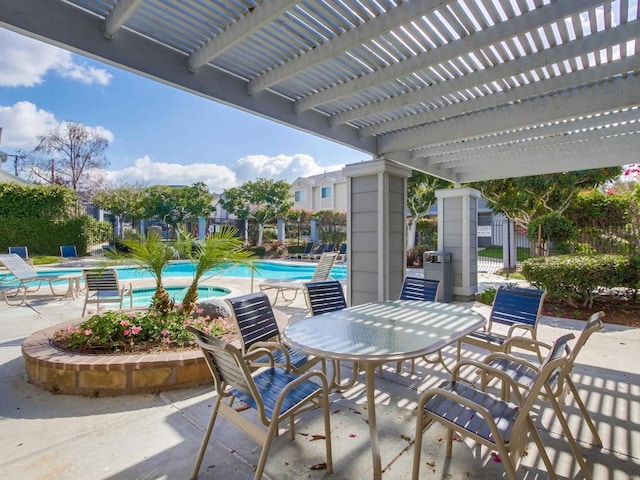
pixel 157 134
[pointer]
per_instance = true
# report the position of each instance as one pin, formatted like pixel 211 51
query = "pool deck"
pixel 156 436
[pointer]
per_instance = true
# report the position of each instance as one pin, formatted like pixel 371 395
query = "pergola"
pixel 466 90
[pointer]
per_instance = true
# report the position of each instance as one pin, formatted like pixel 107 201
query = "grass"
pixel 495 251
pixel 45 259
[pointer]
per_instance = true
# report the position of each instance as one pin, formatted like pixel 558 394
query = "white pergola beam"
pixel 74 29
pixel 117 17
pixel 505 70
pixel 511 28
pixel 562 137
pixel 611 95
pixel 595 121
pixel 244 27
pixel 599 153
pixel 357 36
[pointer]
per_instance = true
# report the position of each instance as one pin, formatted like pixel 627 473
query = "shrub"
pixel 581 277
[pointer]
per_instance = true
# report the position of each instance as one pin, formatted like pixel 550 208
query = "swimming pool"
pixel 270 269
pixel 142 296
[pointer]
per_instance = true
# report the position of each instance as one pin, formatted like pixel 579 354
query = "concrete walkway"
pixel 47 436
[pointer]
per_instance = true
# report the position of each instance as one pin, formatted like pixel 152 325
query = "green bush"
pixel 44 236
pixel 582 277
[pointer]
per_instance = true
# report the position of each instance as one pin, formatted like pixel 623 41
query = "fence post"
pixel 509 252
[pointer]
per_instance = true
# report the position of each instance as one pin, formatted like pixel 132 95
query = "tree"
pixel 72 155
pixel 122 202
pixel 177 205
pixel 524 198
pixel 421 195
pixel 262 201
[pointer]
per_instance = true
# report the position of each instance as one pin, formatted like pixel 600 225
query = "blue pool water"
pixel 264 269
pixel 142 296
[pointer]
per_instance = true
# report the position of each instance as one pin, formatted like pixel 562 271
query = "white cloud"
pixel 24 62
pixel 281 167
pixel 147 172
pixel 23 122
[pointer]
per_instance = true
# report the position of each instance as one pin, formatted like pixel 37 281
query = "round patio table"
pixel 376 333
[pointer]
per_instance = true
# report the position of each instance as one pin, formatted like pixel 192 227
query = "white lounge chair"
pixel 103 287
pixel 321 273
pixel 26 277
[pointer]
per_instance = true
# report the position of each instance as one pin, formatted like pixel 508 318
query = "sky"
pixel 157 134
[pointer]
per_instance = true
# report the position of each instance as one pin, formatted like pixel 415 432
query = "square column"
pixel 376 230
pixel 458 234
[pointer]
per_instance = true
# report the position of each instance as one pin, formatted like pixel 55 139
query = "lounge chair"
pixel 321 273
pixel 27 279
pixel 22 252
pixel 12 290
pixel 275 393
pixel 68 252
pixel 305 253
pixel 488 420
pixel 322 249
pixel 103 287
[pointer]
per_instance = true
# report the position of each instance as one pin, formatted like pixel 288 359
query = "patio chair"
pixel 102 286
pixel 523 370
pixel 305 253
pixel 487 419
pixel 256 323
pixel 342 253
pixel 68 252
pixel 10 290
pixel 322 249
pixel 27 279
pixel 22 252
pixel 275 393
pixel 422 289
pixel 514 308
pixel 321 273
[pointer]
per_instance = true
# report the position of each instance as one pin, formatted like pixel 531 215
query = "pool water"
pixel 264 269
pixel 142 296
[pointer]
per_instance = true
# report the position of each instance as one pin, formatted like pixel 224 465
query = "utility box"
pixel 438 266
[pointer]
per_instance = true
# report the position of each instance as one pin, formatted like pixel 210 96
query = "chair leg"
pixel 324 403
pixel 585 412
pixel 543 453
pixel 205 440
pixel 567 431
pixel 271 432
pixel 417 446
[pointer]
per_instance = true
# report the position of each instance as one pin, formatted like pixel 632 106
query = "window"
pixel 325 192
pixel 300 196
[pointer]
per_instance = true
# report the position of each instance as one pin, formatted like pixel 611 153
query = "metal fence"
pixel 501 244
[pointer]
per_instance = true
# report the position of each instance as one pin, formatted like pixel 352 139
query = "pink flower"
pixel 136 330
pixel 164 333
pixel 88 332
pixel 166 340
pixel 127 332
pixel 124 323
pixel 200 311
pixel 70 328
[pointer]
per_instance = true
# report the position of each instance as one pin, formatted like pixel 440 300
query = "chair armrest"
pixel 273 346
pixel 485 371
pixel 257 353
pixel 299 380
pixel 520 326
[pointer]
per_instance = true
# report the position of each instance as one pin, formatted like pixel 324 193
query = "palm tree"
pixel 153 255
pixel 221 248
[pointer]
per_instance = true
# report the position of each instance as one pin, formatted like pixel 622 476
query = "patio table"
pixel 376 333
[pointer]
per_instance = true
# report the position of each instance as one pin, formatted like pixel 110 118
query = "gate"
pixel 501 244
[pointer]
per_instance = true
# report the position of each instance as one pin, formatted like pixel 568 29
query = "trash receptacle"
pixel 438 266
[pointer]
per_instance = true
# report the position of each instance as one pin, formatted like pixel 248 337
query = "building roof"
pixel 6 177
pixel 463 89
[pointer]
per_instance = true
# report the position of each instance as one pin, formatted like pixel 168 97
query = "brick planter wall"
pixel 108 375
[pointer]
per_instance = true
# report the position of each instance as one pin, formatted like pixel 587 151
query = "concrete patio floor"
pixel 47 436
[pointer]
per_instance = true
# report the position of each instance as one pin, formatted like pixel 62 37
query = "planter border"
pixel 63 372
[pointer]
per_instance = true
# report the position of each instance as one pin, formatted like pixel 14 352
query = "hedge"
pixel 581 276
pixel 44 236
